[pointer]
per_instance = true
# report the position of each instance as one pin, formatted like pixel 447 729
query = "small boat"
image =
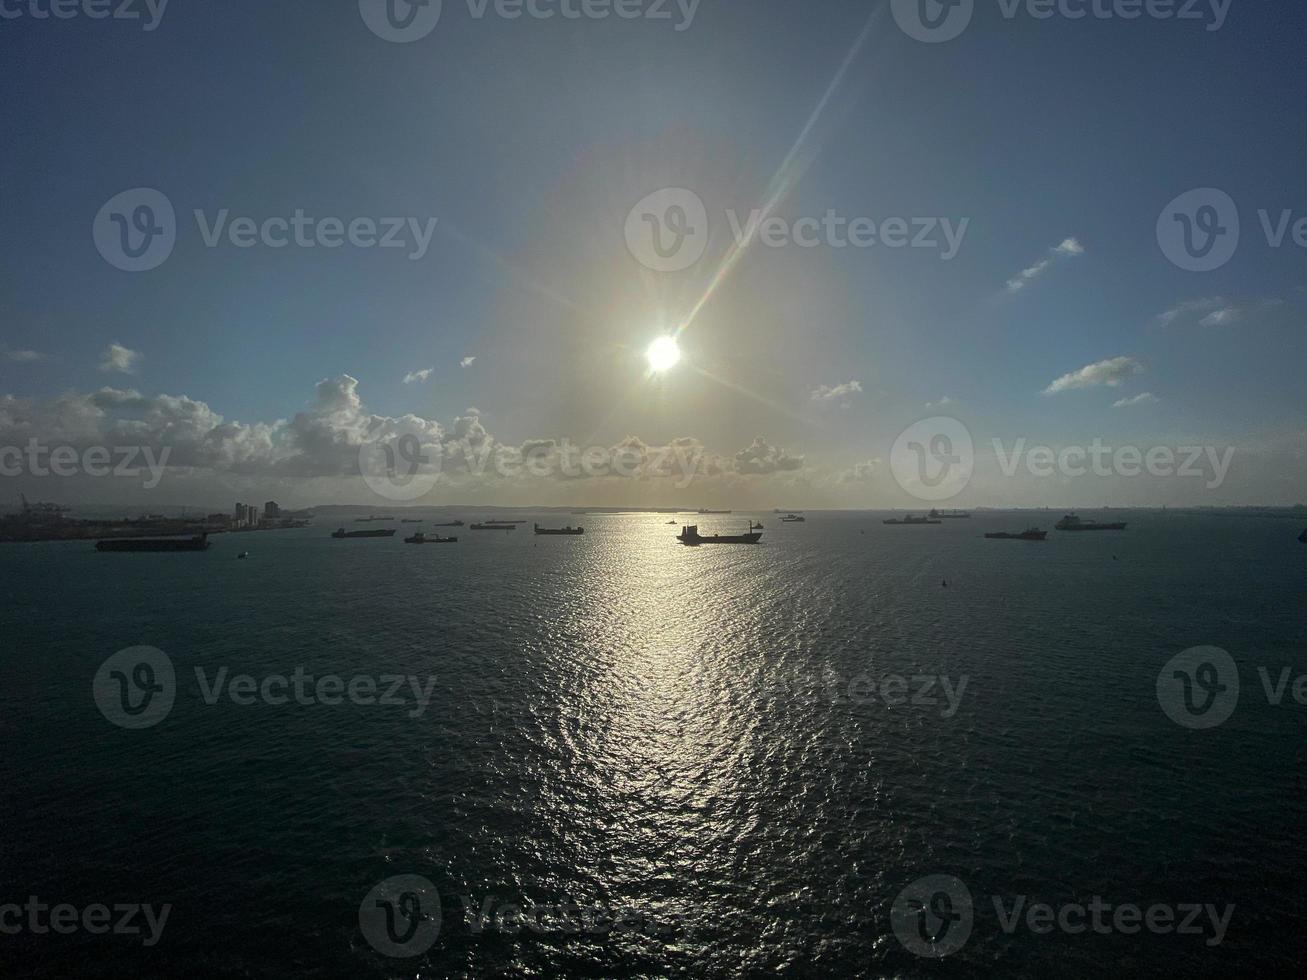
pixel 421 538
pixel 494 527
pixel 1072 522
pixel 198 543
pixel 1029 534
pixel 690 536
pixel 243 554
pixel 673 522
pixel 954 515
pixel 379 533
pixel 913 520
pixel 559 530
pixel 793 519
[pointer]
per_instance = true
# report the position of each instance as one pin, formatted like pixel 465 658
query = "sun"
pixel 663 354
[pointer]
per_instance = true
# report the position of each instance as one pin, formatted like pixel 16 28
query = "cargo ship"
pixel 494 527
pixel 793 519
pixel 705 510
pixel 1071 522
pixel 690 535
pixel 558 530
pixel 1029 534
pixel 953 515
pixel 449 524
pixel 198 543
pixel 342 533
pixel 421 538
pixel 913 520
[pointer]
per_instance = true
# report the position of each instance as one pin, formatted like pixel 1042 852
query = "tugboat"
pixel 1029 534
pixel 690 536
pixel 1072 522
pixel 198 543
pixel 913 520
pixel 420 538
pixel 560 530
pixel 342 533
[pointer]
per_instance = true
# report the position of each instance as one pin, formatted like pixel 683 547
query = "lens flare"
pixel 663 354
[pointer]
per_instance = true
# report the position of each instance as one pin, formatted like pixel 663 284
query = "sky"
pixel 964 252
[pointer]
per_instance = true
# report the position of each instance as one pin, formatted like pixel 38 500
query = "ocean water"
pixel 711 746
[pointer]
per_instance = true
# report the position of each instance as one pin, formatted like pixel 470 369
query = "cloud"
pixel 944 402
pixel 1112 373
pixel 420 377
pixel 118 358
pixel 21 356
pixel 762 458
pixel 836 394
pixel 863 472
pixel 467 361
pixel 1069 248
pixel 1147 398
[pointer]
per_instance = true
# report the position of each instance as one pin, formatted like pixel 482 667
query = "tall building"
pixel 271 511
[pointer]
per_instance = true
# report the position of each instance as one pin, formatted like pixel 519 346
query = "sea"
pixel 853 750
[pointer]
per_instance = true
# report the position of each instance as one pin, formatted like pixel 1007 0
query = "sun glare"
pixel 663 354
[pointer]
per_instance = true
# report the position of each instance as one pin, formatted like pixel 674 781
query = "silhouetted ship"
pixel 705 510
pixel 198 543
pixel 1073 523
pixel 559 530
pixel 1029 534
pixel 913 520
pixel 953 515
pixel 756 526
pixel 342 533
pixel 793 519
pixel 494 527
pixel 690 535
pixel 421 538
pixel 411 520
pixel 449 524
pixel 366 520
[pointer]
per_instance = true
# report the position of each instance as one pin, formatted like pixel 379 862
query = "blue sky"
pixel 530 140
